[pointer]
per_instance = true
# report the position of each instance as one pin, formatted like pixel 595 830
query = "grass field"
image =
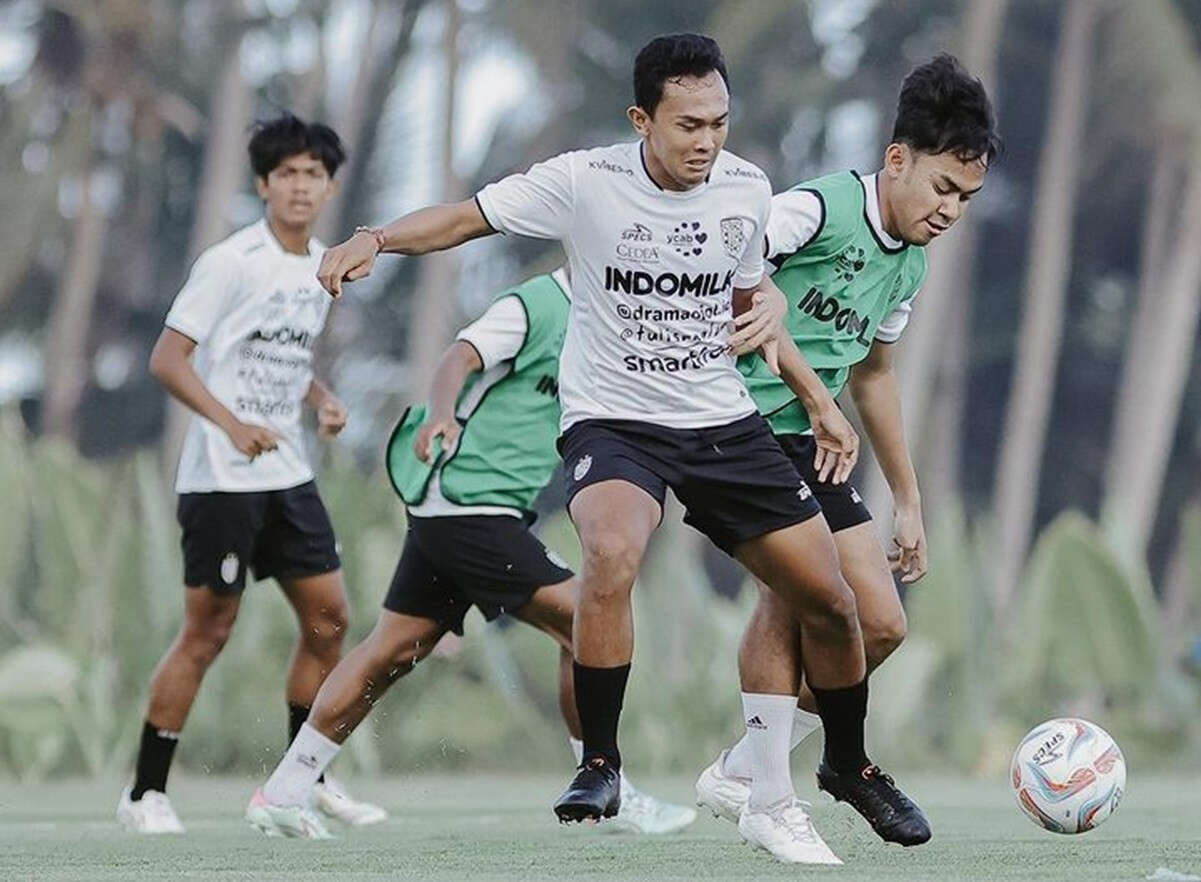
pixel 472 827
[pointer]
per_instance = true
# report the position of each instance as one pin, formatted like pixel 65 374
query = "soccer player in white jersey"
pixel 237 349
pixel 662 235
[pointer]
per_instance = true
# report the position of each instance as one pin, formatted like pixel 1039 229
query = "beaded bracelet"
pixel 377 232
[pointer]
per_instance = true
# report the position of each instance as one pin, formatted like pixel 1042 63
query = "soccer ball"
pixel 1068 775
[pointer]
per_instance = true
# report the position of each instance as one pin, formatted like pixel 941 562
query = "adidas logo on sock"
pixel 756 723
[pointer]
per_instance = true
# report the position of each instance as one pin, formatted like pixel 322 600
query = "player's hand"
pixel 351 260
pixel 908 555
pixel 837 444
pixel 760 325
pixel 331 417
pixel 445 427
pixel 252 440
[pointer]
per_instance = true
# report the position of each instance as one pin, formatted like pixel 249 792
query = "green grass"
pixel 469 827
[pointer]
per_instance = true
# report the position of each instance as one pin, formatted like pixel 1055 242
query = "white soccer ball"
pixel 1068 775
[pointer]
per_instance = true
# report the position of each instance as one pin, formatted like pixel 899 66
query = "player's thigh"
pixel 219 534
pixel 421 586
pixel 550 609
pixel 297 539
pixel 865 567
pixel 617 476
pixel 800 563
pixel 739 485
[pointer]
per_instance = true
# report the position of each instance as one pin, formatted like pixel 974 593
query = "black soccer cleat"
pixel 594 793
pixel 873 793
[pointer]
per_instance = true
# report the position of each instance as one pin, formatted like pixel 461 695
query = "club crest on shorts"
pixel 804 492
pixel 855 497
pixel 229 568
pixel 733 236
pixel 582 465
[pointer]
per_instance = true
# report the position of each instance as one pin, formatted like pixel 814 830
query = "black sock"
pixel 297 714
pixel 154 760
pixel 843 712
pixel 598 696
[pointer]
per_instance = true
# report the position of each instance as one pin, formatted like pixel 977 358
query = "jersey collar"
pixel 871 211
pixel 273 244
pixel 651 182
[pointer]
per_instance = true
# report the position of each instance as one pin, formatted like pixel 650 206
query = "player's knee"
pixel 833 613
pixel 203 641
pixel 882 636
pixel 610 566
pixel 324 632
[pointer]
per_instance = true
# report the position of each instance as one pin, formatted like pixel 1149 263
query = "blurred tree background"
pixel 1051 380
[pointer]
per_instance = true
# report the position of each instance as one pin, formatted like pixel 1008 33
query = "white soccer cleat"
pixel 722 794
pixel 787 833
pixel 332 800
pixel 642 813
pixel 292 821
pixel 151 814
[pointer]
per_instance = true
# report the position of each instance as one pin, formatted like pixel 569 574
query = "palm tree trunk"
pixel 1128 526
pixel 1156 368
pixel 67 361
pixel 224 167
pixel 1040 335
pixel 438 274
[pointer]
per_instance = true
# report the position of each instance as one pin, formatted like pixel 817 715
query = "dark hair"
pixel 275 140
pixel 942 108
pixel 670 56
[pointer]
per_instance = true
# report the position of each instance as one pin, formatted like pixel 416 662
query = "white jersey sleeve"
pixel 797 216
pixel 538 203
pixel 751 264
pixel 894 324
pixel 206 296
pixel 499 333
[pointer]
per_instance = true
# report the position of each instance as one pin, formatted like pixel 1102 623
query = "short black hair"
pixel 943 108
pixel 275 140
pixel 671 56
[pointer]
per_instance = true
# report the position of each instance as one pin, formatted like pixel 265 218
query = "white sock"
pixel 577 748
pixel 804 724
pixel 292 781
pixel 738 760
pixel 768 732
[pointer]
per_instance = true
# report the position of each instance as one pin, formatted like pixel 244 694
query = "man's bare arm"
pixel 435 228
pixel 459 361
pixel 171 365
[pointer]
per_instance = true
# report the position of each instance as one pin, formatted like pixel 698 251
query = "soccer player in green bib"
pixel 468 467
pixel 849 255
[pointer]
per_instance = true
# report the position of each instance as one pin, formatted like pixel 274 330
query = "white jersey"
pixel 652 274
pixel 255 312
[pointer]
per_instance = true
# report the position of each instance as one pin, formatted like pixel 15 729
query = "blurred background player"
pixel 468 468
pixel 238 349
pixel 849 255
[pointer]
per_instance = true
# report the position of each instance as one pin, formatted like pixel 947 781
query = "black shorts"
pixel 840 503
pixel 281 534
pixel 450 564
pixel 733 480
